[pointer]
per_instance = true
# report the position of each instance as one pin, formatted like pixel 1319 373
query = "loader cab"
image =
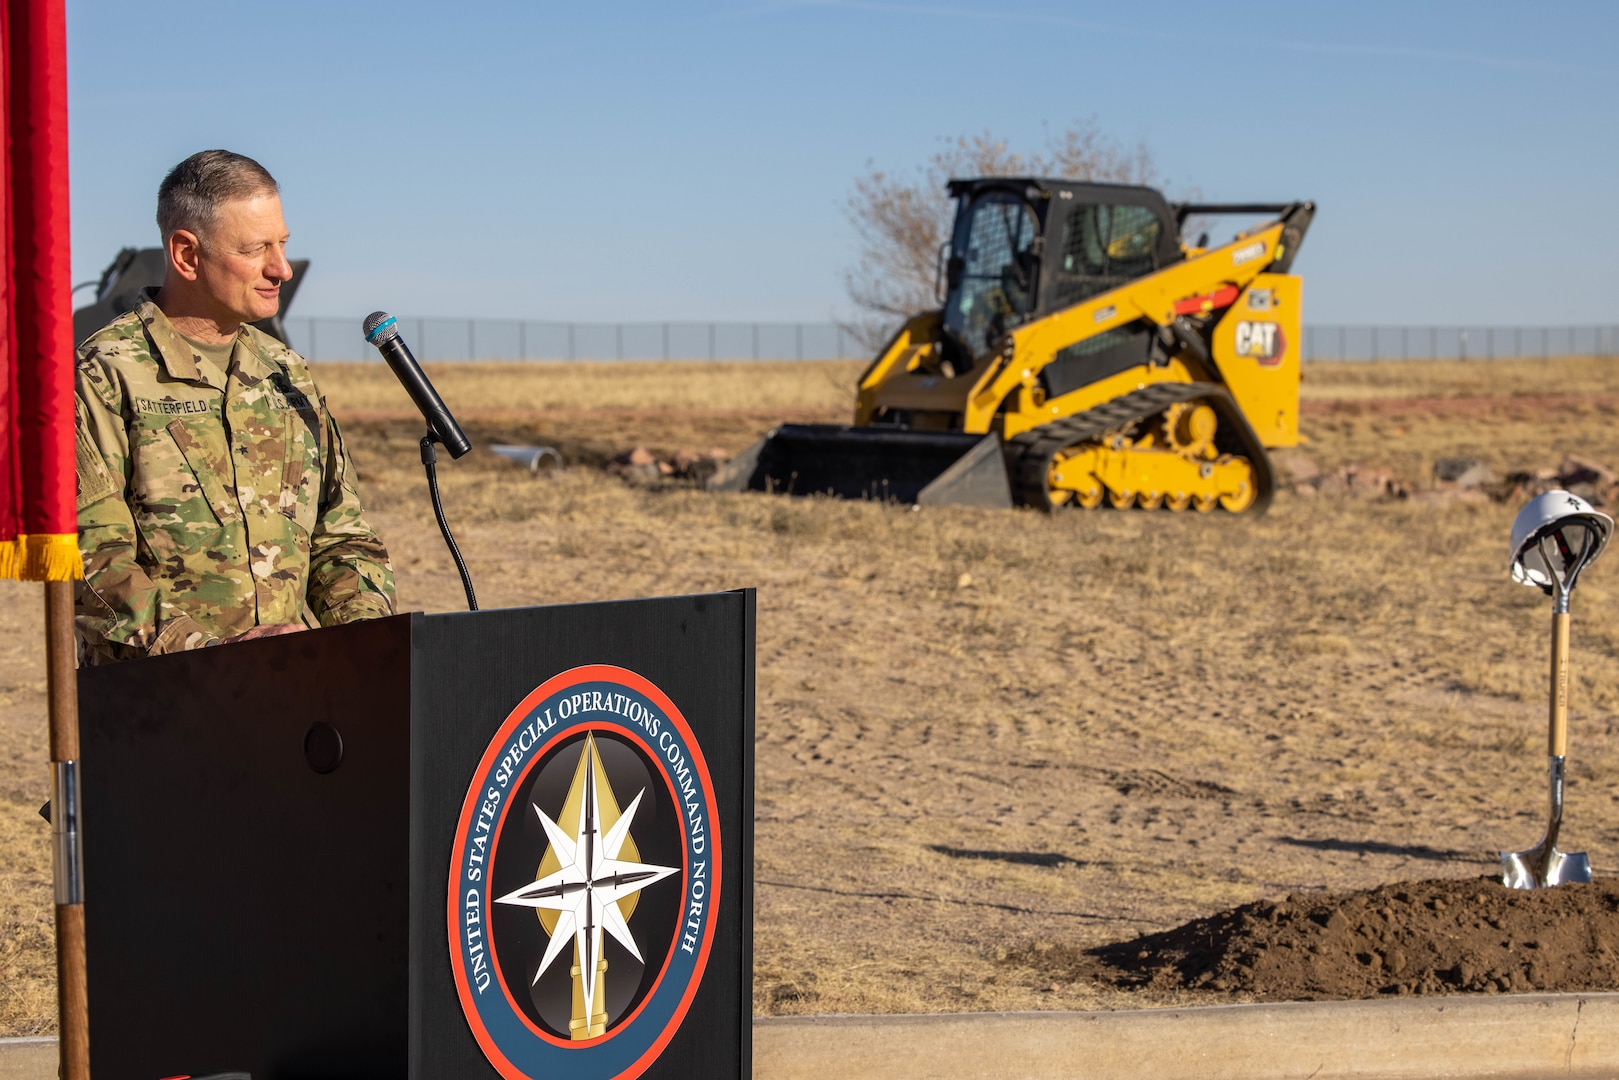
pixel 1024 248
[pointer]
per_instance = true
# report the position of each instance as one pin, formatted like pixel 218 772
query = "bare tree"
pixel 903 220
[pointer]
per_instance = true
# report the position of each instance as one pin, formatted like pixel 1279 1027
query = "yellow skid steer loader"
pixel 1084 354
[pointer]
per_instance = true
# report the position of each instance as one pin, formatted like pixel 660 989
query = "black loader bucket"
pixel 928 468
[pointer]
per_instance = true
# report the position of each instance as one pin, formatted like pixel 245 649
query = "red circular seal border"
pixel 558 682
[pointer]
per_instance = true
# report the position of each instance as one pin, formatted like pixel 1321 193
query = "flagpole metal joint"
pixel 67 851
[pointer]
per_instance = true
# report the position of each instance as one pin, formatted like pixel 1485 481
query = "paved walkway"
pixel 1501 1038
pixel 1477 1038
pixel 27 1059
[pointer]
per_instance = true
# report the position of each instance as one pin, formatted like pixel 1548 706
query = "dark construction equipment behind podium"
pixel 373 850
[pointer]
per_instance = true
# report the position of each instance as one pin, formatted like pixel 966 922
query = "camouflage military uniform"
pixel 211 502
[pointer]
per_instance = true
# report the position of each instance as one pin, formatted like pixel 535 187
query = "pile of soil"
pixel 1425 937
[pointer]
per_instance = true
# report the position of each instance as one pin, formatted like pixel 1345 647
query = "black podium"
pixel 510 843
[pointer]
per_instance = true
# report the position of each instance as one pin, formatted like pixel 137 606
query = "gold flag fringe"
pixel 41 557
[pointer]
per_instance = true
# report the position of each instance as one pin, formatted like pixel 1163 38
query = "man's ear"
pixel 183 251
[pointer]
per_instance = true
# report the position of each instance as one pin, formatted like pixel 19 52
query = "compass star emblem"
pixel 587 889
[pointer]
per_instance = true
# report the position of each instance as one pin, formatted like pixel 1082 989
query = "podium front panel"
pixel 473 670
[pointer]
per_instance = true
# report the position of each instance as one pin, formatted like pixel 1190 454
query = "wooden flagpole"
pixel 63 697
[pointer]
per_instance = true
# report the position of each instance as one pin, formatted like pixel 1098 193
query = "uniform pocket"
pixel 300 469
pixel 207 463
pixel 181 500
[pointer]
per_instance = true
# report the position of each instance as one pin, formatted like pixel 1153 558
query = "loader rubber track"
pixel 1029 455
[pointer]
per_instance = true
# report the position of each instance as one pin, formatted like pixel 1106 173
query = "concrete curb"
pixel 1501 1038
pixel 28 1059
pixel 1510 1037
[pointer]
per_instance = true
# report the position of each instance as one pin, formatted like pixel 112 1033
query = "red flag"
pixel 38 516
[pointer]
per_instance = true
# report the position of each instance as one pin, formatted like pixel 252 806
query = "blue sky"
pixel 645 161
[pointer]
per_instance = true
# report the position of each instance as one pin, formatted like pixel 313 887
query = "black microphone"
pixel 382 330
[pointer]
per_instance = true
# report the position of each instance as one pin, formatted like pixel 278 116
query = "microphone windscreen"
pixel 379 326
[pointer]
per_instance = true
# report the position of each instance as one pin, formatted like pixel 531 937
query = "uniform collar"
pixel 178 359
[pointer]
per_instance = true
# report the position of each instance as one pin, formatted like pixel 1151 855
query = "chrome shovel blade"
pixel 1542 868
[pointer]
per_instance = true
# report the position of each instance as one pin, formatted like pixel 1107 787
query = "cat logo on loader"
pixel 1083 354
pixel 1264 341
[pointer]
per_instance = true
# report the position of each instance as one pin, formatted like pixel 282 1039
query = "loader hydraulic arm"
pixel 1295 218
pixel 1029 348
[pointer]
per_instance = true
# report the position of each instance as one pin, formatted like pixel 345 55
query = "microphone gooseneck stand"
pixel 430 463
pixel 382 330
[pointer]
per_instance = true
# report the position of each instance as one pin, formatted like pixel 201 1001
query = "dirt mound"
pixel 1426 937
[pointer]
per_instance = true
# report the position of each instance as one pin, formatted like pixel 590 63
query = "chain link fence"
pixel 1458 342
pixel 322 338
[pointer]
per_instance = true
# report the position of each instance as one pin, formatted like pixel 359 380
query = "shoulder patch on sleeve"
pixel 95 482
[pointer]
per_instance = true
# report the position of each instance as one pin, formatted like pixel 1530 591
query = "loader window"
pixel 1102 248
pixel 996 287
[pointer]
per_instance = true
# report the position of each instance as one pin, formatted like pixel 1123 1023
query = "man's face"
pixel 242 261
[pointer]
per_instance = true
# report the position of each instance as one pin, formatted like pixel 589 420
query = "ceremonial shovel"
pixel 1554 537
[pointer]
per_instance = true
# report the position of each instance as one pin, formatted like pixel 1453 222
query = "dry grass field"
pixel 981 734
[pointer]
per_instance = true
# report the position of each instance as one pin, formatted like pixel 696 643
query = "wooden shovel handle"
pixel 1557 738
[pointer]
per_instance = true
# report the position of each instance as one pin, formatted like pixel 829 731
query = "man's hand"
pixel 275 630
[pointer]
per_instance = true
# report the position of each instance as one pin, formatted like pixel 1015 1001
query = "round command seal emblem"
pixel 584 880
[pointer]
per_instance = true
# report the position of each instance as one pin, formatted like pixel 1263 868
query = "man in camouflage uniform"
pixel 216 500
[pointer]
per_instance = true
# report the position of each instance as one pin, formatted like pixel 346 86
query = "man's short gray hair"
pixel 190 196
